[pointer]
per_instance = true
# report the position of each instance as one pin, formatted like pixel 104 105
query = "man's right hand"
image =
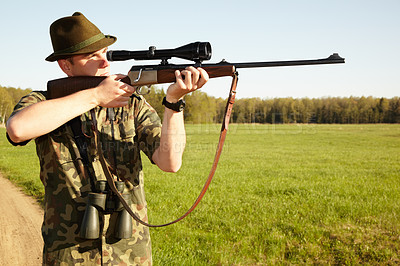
pixel 112 92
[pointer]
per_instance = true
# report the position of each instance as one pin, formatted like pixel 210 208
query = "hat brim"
pixel 105 42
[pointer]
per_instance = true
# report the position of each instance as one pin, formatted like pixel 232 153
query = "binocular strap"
pixel 224 128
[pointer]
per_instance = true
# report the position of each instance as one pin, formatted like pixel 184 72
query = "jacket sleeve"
pixel 31 98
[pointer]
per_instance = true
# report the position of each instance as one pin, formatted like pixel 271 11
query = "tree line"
pixel 9 97
pixel 202 108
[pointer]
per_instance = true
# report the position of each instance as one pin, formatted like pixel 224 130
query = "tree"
pixel 6 105
pixel 154 98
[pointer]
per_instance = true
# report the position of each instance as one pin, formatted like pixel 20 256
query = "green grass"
pixel 21 166
pixel 282 194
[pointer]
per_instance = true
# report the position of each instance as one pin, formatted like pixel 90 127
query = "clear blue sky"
pixel 365 32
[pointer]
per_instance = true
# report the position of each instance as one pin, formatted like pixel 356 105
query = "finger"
pixel 118 76
pixel 179 79
pixel 127 88
pixel 203 73
pixel 126 94
pixel 188 79
pixel 123 100
pixel 195 75
pixel 203 77
pixel 178 75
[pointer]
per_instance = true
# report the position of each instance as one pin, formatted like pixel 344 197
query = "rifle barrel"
pixel 333 59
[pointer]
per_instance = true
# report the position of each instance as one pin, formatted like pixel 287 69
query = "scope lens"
pixel 205 51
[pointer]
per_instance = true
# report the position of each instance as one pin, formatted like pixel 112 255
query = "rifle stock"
pixel 58 88
pixel 65 86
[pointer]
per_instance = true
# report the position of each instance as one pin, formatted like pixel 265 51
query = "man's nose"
pixel 104 61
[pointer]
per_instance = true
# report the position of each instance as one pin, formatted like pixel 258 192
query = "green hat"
pixel 76 35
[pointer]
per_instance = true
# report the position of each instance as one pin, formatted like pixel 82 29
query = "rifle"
pixel 165 73
pixel 146 75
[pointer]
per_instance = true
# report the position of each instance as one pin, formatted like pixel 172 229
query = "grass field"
pixel 282 194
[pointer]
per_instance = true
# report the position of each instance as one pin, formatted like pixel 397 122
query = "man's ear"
pixel 65 66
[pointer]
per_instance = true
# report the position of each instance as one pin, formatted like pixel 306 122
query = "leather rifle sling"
pixel 224 128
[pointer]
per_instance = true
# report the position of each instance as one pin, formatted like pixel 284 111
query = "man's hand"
pixel 187 81
pixel 111 92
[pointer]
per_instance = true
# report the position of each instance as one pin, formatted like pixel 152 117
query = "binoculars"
pixel 107 203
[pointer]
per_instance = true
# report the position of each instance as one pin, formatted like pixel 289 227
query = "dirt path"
pixel 20 221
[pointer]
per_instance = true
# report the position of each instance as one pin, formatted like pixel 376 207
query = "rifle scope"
pixel 197 51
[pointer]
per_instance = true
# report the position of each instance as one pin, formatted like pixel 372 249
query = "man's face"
pixel 93 64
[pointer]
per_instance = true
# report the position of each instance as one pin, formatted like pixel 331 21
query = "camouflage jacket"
pixel 137 128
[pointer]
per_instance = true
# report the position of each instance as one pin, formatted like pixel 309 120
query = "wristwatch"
pixel 177 107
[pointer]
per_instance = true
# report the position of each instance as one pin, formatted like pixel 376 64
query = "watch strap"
pixel 177 107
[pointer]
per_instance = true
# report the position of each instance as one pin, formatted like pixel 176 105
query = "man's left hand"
pixel 187 81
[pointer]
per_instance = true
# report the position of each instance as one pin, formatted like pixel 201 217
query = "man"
pixel 126 124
